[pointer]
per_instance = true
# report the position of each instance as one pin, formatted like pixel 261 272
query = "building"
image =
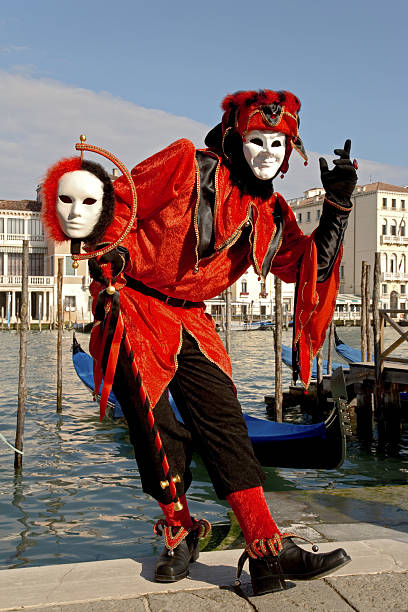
pixel 378 223
pixel 20 220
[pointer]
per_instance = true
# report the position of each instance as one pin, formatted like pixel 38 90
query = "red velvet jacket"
pixel 167 253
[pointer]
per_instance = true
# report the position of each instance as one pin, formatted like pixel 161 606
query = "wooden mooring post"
pixel 378 328
pixel 22 388
pixel 278 351
pixel 228 317
pixel 363 311
pixel 367 316
pixel 60 322
pixel 330 349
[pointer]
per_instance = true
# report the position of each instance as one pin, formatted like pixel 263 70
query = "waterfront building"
pixel 378 223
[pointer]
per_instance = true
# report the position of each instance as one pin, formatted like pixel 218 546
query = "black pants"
pixel 213 426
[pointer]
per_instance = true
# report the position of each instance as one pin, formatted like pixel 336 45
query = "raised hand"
pixel 339 183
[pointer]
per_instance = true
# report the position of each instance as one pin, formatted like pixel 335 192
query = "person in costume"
pixel 203 217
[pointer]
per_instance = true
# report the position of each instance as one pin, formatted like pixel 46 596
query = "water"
pixel 78 497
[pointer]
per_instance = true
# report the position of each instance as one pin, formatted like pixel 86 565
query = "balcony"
pixel 20 237
pixel 394 276
pixel 401 240
pixel 36 281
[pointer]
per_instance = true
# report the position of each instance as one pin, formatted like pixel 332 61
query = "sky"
pixel 136 75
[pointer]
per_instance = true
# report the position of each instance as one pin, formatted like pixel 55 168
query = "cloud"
pixel 42 119
pixel 14 49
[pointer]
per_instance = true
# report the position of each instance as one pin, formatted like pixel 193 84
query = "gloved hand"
pixel 339 183
pixel 118 259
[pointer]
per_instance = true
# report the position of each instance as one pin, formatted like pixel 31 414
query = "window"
pixel 14 264
pixel 402 204
pixel 35 229
pixel 244 287
pixel 1 225
pixel 384 228
pixel 318 214
pixel 393 203
pixel 15 226
pixel 1 264
pixel 36 264
pixel 385 289
pixel 402 228
pixel 299 218
pixel 341 272
pixel 384 202
pixel 403 290
pixel 393 228
pixel 308 216
pixel 70 302
pixel 69 270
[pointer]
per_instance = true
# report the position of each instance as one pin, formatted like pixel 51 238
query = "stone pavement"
pixel 375 580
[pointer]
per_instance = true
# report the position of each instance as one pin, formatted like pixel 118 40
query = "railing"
pixel 39 281
pixel 394 276
pixel 394 239
pixel 14 237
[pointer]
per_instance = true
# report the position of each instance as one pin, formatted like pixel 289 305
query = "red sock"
pixel 253 514
pixel 176 518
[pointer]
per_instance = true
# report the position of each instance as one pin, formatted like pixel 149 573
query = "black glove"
pixel 340 182
pixel 118 259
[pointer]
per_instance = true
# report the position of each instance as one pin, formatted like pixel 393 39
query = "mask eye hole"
pixel 89 201
pixel 256 141
pixel 277 143
pixel 66 199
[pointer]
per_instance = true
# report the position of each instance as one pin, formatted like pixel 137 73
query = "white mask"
pixel 264 152
pixel 79 203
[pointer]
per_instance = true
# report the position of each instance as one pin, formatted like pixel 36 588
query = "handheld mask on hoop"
pixel 78 202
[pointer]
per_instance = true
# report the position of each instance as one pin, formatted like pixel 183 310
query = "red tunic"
pixel 163 248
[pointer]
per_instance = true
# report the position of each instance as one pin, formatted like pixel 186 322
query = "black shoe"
pixel 173 565
pixel 299 564
pixel 282 560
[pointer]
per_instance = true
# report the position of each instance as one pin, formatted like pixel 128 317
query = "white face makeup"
pixel 264 152
pixel 79 203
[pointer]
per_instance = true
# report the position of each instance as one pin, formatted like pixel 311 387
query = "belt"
pixel 137 285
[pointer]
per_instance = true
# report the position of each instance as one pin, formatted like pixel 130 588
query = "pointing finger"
pixel 323 165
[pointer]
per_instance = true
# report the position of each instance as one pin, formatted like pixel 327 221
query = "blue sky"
pixel 345 60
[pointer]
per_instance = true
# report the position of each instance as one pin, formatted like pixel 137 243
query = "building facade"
pixel 377 223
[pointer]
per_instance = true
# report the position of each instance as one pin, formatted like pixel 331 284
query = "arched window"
pixel 384 227
pixel 402 265
pixel 384 262
pixel 393 263
pixel 393 228
pixel 402 228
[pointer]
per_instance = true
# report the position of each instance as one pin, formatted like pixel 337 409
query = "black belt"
pixel 171 301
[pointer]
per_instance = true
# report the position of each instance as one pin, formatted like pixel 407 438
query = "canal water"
pixel 78 497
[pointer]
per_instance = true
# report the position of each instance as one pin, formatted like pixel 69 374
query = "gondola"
pixel 287 360
pixel 318 446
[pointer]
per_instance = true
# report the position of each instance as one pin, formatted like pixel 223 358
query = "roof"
pixel 23 205
pixel 382 187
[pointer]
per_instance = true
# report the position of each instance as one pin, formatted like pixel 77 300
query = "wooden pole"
pixel 368 343
pixel 59 335
pixel 278 350
pixel 363 311
pixel 319 379
pixel 228 316
pixel 330 349
pixel 378 328
pixel 22 389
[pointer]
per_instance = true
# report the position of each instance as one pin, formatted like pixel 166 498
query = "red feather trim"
pixel 49 191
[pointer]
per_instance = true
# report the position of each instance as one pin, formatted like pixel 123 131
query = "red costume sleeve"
pixel 296 261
